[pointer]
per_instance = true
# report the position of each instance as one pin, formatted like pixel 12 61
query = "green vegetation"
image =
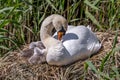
pixel 20 22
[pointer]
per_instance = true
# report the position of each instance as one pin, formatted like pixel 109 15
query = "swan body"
pixel 78 43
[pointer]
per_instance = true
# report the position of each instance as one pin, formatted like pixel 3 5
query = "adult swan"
pixel 77 43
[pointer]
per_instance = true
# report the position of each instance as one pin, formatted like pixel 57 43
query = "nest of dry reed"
pixel 14 67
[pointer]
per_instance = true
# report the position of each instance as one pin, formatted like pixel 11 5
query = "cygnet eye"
pixel 32 45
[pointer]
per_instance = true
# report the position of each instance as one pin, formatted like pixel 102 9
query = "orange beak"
pixel 60 35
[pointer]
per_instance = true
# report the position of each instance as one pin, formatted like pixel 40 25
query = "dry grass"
pixel 13 67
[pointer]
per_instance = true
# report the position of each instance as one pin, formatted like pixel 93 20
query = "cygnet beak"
pixel 61 33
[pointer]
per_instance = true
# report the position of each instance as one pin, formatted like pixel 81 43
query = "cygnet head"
pixel 37 57
pixel 38 44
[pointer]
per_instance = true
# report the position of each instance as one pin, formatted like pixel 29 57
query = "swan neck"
pixel 46 31
pixel 46 35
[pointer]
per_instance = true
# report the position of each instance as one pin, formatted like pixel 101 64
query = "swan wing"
pixel 78 43
pixel 81 39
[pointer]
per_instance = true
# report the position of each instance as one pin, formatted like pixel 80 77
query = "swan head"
pixel 60 24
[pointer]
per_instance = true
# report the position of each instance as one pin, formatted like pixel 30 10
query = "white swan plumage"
pixel 79 42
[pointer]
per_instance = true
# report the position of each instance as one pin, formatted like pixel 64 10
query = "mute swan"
pixel 78 42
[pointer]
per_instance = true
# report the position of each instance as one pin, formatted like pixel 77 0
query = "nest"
pixel 14 67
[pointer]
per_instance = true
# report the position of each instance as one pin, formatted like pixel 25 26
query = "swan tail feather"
pixel 96 47
pixel 89 27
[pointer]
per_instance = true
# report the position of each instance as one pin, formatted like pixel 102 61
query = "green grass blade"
pixel 12 41
pixel 105 76
pixel 105 60
pixel 91 66
pixel 111 52
pixel 3 30
pixel 115 40
pixel 4 22
pixel 92 18
pixel 91 5
pixel 96 2
pixel 73 20
pixel 28 28
pixel 117 74
pixel 6 9
pixel 3 47
pixel 85 66
pixel 51 4
pixel 29 3
pixel 112 20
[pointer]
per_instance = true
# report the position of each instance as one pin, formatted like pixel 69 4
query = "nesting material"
pixel 15 67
